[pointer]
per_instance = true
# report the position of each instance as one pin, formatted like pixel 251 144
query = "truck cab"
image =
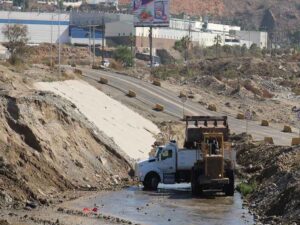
pixel 152 171
pixel 170 165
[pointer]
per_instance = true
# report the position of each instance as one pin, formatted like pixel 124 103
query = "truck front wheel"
pixel 151 182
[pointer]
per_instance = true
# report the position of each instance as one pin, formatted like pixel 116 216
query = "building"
pixel 42 27
pixel 104 2
pixel 72 3
pixel 88 28
pixel 200 33
pixel 253 37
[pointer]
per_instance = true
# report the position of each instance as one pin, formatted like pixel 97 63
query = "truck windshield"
pixel 158 151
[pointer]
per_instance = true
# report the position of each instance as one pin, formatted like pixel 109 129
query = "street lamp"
pixel 183 100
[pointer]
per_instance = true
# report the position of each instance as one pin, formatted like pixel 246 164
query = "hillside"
pixel 247 13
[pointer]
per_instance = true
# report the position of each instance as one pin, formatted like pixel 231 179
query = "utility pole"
pixel 51 56
pixel 103 37
pixel 131 47
pixel 183 100
pixel 59 45
pixel 150 44
pixel 188 41
pixel 90 32
pixel 94 45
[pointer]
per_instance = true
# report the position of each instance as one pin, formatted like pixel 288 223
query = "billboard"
pixel 149 13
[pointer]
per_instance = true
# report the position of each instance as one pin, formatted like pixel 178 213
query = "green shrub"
pixel 165 56
pixel 245 188
pixel 123 54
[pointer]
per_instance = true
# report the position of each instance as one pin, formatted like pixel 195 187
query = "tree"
pixel 183 45
pixel 227 49
pixel 254 50
pixel 244 50
pixel 295 38
pixel 217 44
pixel 123 55
pixel 16 36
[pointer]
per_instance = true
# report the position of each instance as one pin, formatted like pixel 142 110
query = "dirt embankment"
pixel 274 172
pixel 49 147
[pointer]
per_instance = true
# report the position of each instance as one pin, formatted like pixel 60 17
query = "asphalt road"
pixel 151 95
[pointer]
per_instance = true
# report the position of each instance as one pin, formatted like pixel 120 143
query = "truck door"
pixel 167 164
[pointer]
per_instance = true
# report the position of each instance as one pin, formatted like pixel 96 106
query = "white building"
pixel 97 2
pixel 72 3
pixel 253 37
pixel 42 27
pixel 75 28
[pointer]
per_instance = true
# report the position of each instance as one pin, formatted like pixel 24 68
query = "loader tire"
pixel 229 188
pixel 195 186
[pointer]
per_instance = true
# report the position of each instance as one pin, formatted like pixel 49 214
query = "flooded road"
pixel 169 205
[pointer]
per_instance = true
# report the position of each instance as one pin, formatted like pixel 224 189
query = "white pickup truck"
pixel 170 165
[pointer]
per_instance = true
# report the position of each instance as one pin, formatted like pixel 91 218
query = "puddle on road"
pixel 171 205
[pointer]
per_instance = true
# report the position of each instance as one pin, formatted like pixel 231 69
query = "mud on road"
pixel 167 206
pixel 171 204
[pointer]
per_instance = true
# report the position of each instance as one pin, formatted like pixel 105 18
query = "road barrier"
pixel 158 107
pixel 212 107
pixel 94 67
pixel 264 123
pixel 287 129
pixel 269 140
pixel 103 80
pixel 191 95
pixel 182 95
pixel 131 94
pixel 156 83
pixel 295 141
pixel 78 71
pixel 240 116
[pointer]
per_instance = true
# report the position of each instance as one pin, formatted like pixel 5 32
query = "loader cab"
pixel 213 155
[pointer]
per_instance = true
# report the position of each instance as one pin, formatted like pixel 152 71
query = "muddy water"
pixel 170 205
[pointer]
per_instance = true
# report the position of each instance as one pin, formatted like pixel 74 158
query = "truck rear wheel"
pixel 229 188
pixel 151 182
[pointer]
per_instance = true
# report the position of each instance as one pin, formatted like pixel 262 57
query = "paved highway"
pixel 151 95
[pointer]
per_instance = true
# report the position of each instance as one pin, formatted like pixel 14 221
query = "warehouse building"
pixel 42 27
pixel 87 28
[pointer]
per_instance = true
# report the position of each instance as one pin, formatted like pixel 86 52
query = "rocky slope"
pixel 49 147
pixel 275 173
